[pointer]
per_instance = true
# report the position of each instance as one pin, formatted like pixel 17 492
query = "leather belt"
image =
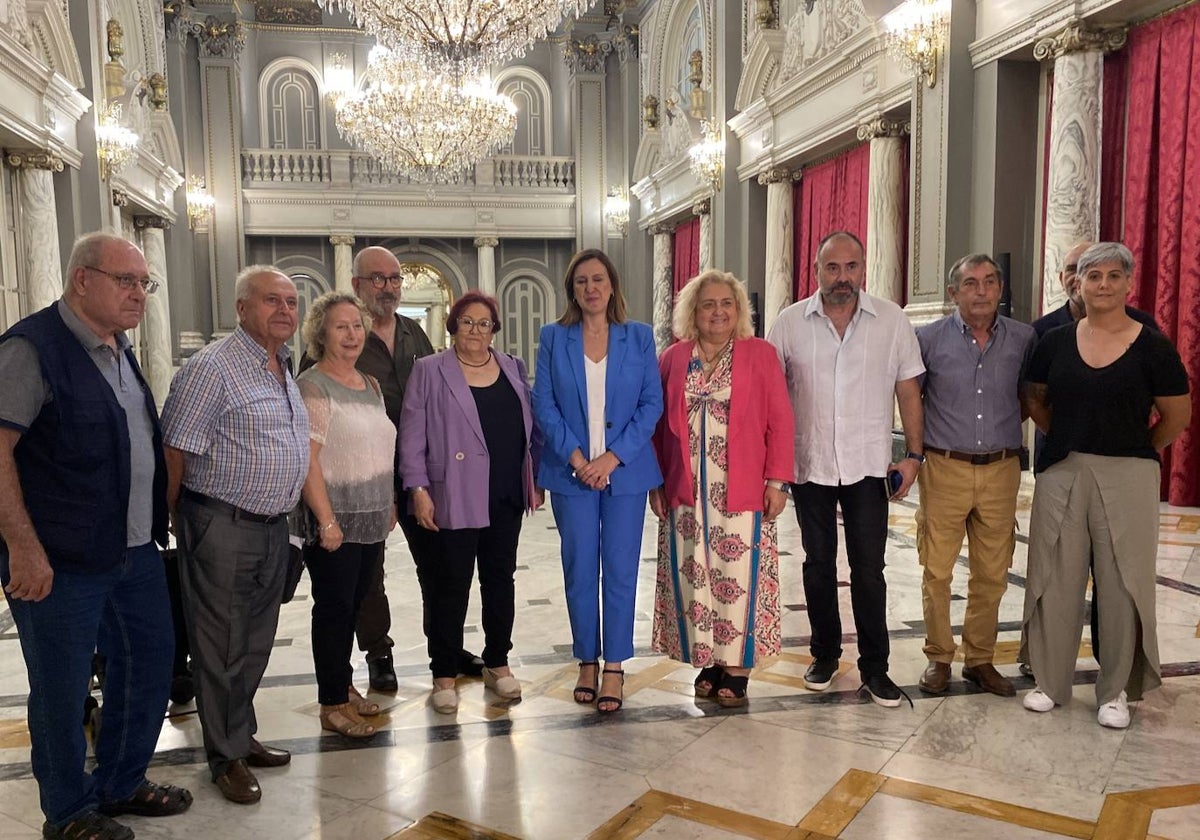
pixel 233 510
pixel 978 459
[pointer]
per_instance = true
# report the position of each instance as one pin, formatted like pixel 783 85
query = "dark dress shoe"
pixel 989 679
pixel 383 674
pixel 262 755
pixel 183 689
pixel 470 665
pixel 238 784
pixel 935 679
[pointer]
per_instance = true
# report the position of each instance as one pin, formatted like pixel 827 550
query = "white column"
pixel 39 225
pixel 703 209
pixel 487 263
pixel 343 262
pixel 1073 175
pixel 886 232
pixel 160 359
pixel 779 246
pixel 436 323
pixel 663 286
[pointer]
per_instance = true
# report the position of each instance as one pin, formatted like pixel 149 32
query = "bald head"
pixel 1068 275
pixel 377 280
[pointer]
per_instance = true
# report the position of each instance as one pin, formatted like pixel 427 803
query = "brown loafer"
pixel 989 679
pixel 262 755
pixel 238 784
pixel 935 679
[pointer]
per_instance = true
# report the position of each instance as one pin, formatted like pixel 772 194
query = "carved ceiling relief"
pixel 815 35
pixel 15 20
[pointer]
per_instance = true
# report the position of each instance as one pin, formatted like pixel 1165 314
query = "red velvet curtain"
pixel 1112 128
pixel 830 196
pixel 1162 206
pixel 687 252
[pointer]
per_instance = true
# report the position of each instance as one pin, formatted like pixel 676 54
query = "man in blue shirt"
pixel 974 358
pixel 82 504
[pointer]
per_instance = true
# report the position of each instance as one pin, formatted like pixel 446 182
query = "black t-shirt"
pixel 504 433
pixel 1103 411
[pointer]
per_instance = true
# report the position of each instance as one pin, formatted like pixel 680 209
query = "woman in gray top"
pixel 349 490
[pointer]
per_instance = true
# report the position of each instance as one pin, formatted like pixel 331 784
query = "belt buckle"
pixel 981 459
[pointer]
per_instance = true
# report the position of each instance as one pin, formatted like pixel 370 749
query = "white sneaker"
pixel 1115 713
pixel 1037 701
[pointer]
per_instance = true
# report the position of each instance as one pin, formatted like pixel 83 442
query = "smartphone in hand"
pixel 894 480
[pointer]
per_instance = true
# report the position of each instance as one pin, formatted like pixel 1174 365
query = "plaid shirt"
pixel 245 437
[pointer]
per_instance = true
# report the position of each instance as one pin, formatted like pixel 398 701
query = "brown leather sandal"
pixel 360 704
pixel 343 720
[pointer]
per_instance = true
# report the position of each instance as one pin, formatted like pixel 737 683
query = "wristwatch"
pixel 920 459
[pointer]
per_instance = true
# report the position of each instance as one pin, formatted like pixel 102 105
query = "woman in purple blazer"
pixel 468 451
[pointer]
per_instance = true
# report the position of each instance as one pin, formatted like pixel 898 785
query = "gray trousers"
pixel 232 576
pixel 1102 509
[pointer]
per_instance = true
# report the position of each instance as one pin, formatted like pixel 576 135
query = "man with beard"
pixel 394 344
pixel 844 354
pixel 236 435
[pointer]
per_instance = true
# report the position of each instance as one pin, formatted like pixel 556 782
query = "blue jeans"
pixel 123 613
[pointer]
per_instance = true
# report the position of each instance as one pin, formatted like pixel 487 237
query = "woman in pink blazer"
pixel 468 451
pixel 724 444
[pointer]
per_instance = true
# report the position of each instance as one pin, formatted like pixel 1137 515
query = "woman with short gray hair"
pixel 1092 386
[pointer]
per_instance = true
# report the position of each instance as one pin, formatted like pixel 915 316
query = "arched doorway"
pixel 425 297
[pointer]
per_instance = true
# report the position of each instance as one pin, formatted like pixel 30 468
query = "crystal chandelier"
pixel 115 144
pixel 708 156
pixel 200 203
pixel 916 33
pixel 460 37
pixel 428 128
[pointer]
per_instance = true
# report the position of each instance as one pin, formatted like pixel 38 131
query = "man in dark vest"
pixel 82 504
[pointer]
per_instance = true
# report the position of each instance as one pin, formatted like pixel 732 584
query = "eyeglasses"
pixel 379 280
pixel 484 324
pixel 128 281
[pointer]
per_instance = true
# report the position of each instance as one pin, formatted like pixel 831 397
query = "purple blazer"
pixel 441 439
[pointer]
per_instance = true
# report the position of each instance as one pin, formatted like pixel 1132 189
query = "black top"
pixel 1103 411
pixel 504 433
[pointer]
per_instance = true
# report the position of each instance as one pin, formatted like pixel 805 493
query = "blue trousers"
pixel 125 614
pixel 601 544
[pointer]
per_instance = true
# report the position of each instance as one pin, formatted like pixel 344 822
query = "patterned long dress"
pixel 717 594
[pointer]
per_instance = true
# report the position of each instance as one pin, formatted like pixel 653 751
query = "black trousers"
pixel 864 512
pixel 447 589
pixel 340 580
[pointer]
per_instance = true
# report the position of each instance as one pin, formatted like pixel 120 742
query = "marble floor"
pixel 793 764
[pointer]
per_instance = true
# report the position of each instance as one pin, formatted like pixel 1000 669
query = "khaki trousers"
pixel 979 502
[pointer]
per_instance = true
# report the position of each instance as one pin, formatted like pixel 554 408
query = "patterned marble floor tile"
pixel 671 827
pixel 902 819
pixel 1171 823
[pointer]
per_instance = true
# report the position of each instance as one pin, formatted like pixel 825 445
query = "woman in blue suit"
pixel 597 398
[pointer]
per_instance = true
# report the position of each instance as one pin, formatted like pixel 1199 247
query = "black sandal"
pixel 712 676
pixel 150 800
pixel 583 695
pixel 736 686
pixel 91 826
pixel 620 701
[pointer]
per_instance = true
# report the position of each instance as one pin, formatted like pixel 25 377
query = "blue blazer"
pixel 441 439
pixel 632 405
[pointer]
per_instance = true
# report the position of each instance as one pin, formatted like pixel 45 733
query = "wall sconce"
pixel 115 144
pixel 616 211
pixel 199 203
pixel 916 33
pixel 339 79
pixel 708 156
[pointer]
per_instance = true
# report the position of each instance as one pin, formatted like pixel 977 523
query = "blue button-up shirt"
pixel 972 401
pixel 244 433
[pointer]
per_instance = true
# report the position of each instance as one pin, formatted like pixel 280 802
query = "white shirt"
pixel 843 388
pixel 595 373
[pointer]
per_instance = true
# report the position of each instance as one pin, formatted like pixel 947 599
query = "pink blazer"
pixel 761 426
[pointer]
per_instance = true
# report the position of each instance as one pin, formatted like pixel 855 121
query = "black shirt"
pixel 504 433
pixel 1103 411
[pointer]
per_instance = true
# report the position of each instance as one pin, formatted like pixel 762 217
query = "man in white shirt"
pixel 845 353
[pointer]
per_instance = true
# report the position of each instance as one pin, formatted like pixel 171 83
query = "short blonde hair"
pixel 313 331
pixel 684 318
